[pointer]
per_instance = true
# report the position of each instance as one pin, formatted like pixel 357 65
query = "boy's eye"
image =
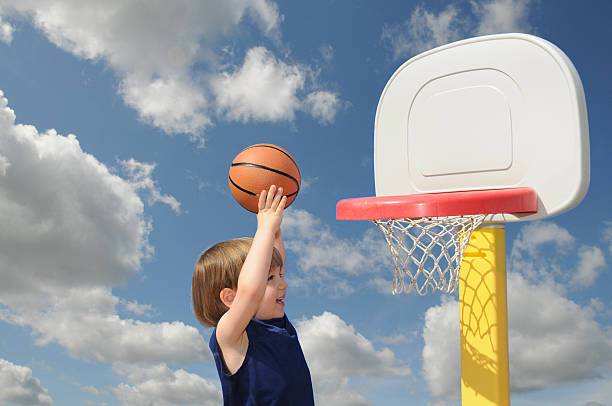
pixel 282 275
pixel 270 277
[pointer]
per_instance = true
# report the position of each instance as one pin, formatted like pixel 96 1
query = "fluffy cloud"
pixel 67 221
pixel 427 29
pixel 422 31
pixel 71 229
pixel 534 236
pixel 264 88
pixel 174 104
pixel 441 355
pixel 335 352
pixel 552 340
pixel 328 262
pixel 6 32
pixel 322 105
pixel 501 16
pixel 139 174
pixel 546 252
pixel 166 57
pixel 159 386
pixel 4 164
pixel 17 386
pixel 151 47
pixel 85 322
pixel 591 263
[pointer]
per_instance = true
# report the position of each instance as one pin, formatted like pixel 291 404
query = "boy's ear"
pixel 227 296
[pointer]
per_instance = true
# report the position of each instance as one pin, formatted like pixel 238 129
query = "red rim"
pixel 514 201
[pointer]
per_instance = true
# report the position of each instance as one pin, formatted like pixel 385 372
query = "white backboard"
pixel 492 112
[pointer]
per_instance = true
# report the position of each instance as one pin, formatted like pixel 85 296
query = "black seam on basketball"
pixel 254 194
pixel 241 189
pixel 297 184
pixel 278 149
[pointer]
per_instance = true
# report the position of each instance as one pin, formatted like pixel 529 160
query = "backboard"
pixel 493 112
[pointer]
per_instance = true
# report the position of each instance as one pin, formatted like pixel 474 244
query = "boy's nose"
pixel 282 285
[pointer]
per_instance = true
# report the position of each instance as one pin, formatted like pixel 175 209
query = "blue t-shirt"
pixel 274 370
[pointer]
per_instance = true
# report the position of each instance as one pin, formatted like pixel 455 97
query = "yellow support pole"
pixel 484 320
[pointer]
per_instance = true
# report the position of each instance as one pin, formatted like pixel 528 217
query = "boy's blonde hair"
pixel 217 268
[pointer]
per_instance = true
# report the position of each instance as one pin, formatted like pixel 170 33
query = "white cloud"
pixel 591 263
pixel 335 352
pixel 501 16
pixel 328 262
pixel 552 341
pixel 546 252
pixel 4 164
pixel 426 29
pixel 423 30
pixel 139 175
pixel 136 308
pixel 160 386
pixel 84 321
pixel 322 105
pixel 64 212
pixel 167 60
pixel 267 15
pixel 400 338
pixel 535 235
pixel 174 104
pixel 382 285
pixel 6 32
pixel 263 88
pixel 542 252
pixel 150 47
pixel 70 231
pixel 441 354
pixel 17 386
pixel 338 392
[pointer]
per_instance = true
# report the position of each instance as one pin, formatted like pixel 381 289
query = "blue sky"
pixel 118 122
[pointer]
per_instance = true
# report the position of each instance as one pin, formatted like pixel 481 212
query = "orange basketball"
pixel 258 167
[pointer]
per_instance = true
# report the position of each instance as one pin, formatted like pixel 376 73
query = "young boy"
pixel 239 288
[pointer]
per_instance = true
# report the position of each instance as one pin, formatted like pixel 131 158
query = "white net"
pixel 428 251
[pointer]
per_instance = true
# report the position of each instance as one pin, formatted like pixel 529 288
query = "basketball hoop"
pixel 427 233
pixel 427 252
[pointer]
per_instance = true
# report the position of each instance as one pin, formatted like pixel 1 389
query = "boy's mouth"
pixel 281 300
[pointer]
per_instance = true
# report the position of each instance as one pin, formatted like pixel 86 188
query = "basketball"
pixel 258 167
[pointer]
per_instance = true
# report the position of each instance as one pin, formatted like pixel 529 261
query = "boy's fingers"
pixel 279 194
pixel 262 200
pixel 270 196
pixel 277 198
pixel 281 204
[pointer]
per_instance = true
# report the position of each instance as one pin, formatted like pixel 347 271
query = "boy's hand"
pixel 271 206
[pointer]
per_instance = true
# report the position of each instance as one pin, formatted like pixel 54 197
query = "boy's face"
pixel 272 305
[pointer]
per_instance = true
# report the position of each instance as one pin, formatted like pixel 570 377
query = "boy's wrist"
pixel 265 231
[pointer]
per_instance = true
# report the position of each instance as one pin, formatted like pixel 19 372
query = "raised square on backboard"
pixel 448 121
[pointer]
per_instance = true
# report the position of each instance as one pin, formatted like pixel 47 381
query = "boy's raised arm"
pixel 254 273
